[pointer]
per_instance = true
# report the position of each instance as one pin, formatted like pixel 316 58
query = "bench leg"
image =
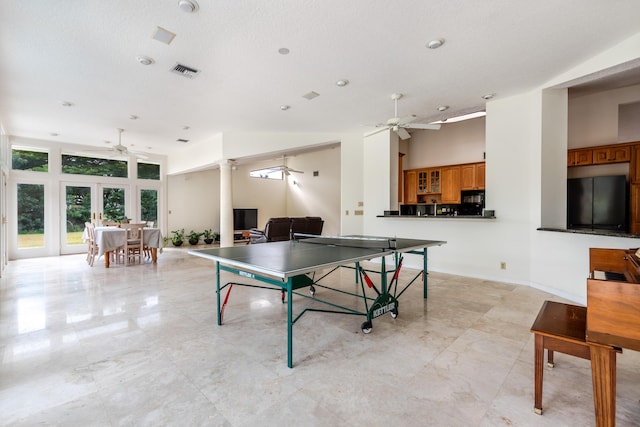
pixel 550 359
pixel 538 371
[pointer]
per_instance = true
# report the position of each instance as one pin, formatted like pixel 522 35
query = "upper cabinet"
pixel 611 154
pixel 580 157
pixel 472 176
pixel 451 184
pixel 429 181
pixel 617 153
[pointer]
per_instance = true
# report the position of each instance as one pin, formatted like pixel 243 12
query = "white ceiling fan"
pixel 120 150
pixel 400 124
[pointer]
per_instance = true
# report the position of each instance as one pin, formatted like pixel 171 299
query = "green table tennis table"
pixel 292 265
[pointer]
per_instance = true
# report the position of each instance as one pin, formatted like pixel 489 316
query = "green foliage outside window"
pixel 30 160
pixel 93 166
pixel 148 171
pixel 30 208
pixel 149 205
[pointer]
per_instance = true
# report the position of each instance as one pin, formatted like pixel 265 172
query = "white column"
pixel 226 204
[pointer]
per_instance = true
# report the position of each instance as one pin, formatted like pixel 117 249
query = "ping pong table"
pixel 291 265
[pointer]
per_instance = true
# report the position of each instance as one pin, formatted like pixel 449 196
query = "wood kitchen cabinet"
pixel 611 154
pixel 580 157
pixel 472 176
pixel 429 181
pixel 410 187
pixel 634 190
pixel 451 184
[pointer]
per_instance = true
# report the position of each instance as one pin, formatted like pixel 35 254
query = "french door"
pixel 89 202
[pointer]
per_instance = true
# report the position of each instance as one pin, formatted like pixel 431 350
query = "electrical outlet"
pixel 503 265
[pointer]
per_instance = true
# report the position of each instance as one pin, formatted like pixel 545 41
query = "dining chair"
pixel 92 246
pixel 134 242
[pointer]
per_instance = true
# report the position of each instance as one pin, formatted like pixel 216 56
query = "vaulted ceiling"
pixel 75 68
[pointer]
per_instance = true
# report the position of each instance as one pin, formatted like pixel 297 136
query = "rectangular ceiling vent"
pixel 183 70
pixel 184 141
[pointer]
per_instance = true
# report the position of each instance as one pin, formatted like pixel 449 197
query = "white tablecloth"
pixel 111 238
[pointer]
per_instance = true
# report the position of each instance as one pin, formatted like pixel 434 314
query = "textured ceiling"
pixel 84 52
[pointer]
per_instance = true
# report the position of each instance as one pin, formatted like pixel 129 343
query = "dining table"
pixel 109 239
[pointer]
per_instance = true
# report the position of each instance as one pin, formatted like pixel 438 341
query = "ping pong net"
pixel 348 241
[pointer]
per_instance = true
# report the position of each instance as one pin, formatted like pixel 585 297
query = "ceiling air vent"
pixel 185 71
pixel 182 140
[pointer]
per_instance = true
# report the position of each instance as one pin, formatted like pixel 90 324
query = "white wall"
pixel 454 143
pixel 593 118
pixel 194 201
pixel 194 198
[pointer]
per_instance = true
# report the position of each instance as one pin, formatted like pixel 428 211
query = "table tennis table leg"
pixel 218 292
pixel 424 272
pixel 289 323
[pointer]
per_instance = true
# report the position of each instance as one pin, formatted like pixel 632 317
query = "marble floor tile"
pixel 140 346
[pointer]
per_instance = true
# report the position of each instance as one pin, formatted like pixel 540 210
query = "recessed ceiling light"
pixel 434 44
pixel 107 142
pixel 133 117
pixel 189 6
pixel 488 96
pixel 285 107
pixel 54 134
pixel 66 103
pixel 443 108
pixel 145 60
pixel 342 83
pixel 283 51
pixel 164 36
pixel 185 128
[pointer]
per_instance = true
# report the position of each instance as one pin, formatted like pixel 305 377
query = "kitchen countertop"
pixel 437 216
pixel 611 233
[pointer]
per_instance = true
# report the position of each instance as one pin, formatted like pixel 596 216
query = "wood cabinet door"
pixel 634 207
pixel 422 176
pixel 410 187
pixel 433 186
pixel 451 184
pixel 634 167
pixel 584 157
pixel 467 177
pixel 611 155
pixel 571 158
pixel 481 169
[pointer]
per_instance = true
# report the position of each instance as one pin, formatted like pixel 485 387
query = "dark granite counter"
pixel 437 216
pixel 611 233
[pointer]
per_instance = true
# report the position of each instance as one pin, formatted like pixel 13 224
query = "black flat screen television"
pixel 245 219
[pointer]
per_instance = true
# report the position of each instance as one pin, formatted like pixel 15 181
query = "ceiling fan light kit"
pixel 401 124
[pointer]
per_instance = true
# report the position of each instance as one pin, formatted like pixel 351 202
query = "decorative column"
pixel 226 204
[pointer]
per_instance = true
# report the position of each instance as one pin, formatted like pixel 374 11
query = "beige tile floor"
pixel 139 345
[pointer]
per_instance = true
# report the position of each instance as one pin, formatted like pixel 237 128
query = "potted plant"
pixel 177 237
pixel 194 237
pixel 208 236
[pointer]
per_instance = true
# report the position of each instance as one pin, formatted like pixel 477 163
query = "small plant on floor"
pixel 194 237
pixel 208 236
pixel 177 237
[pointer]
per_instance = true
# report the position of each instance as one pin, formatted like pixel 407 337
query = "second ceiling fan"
pixel 400 124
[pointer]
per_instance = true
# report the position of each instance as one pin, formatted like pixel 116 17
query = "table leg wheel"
pixel 312 290
pixel 366 327
pixel 551 364
pixel 394 313
pixel 537 411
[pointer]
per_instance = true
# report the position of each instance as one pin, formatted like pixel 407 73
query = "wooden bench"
pixel 561 327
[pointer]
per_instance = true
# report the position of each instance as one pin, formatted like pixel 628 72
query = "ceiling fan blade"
pixel 375 131
pixel 403 134
pixel 407 119
pixel 426 126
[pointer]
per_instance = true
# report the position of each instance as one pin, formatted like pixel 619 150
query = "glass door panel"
pixel 113 203
pixel 78 208
pixel 30 216
pixel 149 206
